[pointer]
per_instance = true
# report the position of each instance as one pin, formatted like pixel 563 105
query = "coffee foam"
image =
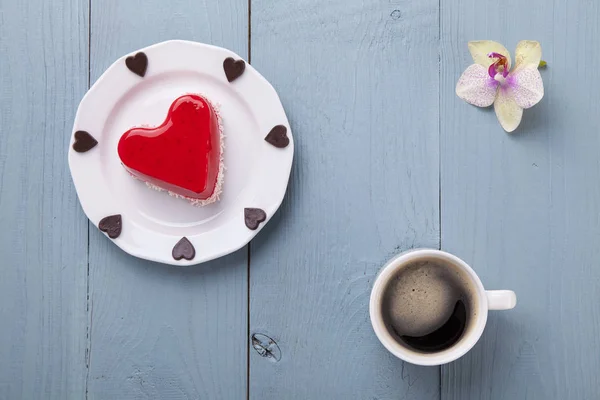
pixel 422 296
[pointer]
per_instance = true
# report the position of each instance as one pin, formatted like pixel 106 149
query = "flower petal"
pixel 526 85
pixel 528 52
pixel 476 87
pixel 507 110
pixel 481 48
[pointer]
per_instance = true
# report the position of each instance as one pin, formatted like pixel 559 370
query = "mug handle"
pixel 501 299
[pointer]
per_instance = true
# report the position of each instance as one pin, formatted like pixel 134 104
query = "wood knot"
pixel 266 347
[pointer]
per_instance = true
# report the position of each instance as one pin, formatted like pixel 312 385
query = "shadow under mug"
pixel 484 300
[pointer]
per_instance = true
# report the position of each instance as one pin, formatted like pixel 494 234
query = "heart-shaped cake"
pixel 183 155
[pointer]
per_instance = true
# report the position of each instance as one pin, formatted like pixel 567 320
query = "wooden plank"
pixel 159 331
pixel 523 208
pixel 359 81
pixel 43 240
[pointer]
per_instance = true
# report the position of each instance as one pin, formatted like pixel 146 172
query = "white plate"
pixel 256 173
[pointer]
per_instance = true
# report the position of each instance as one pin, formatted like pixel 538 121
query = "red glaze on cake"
pixel 182 155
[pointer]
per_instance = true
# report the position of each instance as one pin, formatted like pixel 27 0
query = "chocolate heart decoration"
pixel 183 249
pixel 278 137
pixel 137 63
pixel 83 142
pixel 253 217
pixel 233 69
pixel 111 225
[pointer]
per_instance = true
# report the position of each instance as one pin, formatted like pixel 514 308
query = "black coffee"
pixel 428 306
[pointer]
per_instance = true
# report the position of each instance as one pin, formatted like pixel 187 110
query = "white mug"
pixel 484 300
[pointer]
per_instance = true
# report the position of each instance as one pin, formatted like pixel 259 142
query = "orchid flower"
pixel 491 81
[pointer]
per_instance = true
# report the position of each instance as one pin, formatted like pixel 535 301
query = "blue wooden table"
pixel 387 159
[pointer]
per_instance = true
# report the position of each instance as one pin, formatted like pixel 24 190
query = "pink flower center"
pixel 500 66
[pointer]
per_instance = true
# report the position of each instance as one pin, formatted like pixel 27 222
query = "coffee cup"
pixel 428 307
